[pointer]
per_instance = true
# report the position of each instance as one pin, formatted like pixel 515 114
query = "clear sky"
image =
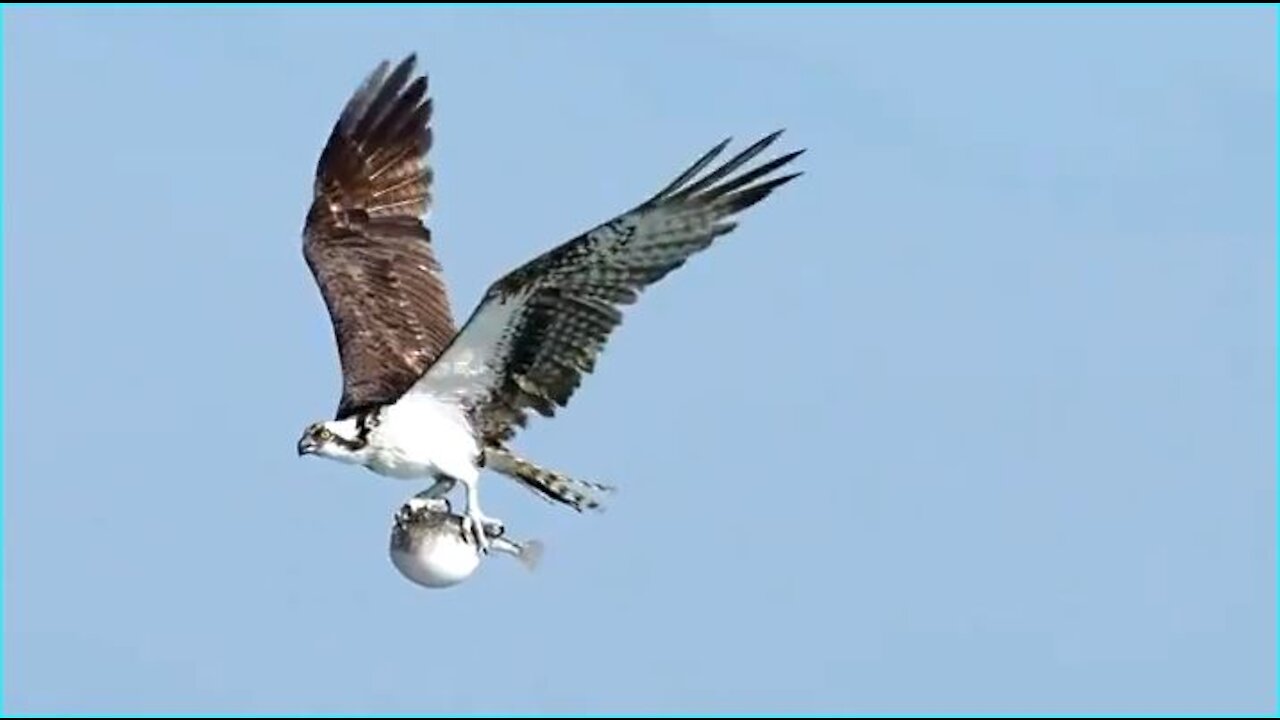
pixel 975 417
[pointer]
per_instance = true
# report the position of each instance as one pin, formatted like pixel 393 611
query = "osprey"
pixel 423 399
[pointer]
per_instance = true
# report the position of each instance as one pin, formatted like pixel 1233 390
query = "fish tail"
pixel 530 554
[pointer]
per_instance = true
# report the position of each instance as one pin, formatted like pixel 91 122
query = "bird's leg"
pixel 475 523
pixel 432 499
pixel 442 486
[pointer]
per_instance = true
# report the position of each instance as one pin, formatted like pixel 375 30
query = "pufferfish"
pixel 429 548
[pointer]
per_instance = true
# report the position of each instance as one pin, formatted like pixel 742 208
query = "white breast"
pixel 419 436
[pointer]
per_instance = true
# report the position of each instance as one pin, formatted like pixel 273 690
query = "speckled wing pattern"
pixel 540 329
pixel 367 246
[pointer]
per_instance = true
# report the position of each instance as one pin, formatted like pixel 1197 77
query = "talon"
pixel 474 531
pixel 480 529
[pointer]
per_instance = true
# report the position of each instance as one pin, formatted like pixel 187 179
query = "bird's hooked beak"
pixel 306 446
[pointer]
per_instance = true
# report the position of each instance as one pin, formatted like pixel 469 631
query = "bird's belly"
pixel 396 465
pixel 422 442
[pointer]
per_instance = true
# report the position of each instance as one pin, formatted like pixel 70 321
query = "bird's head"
pixel 334 439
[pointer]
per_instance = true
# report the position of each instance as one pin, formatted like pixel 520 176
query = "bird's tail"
pixel 551 485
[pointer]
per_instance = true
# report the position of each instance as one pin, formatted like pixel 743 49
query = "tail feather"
pixel 549 484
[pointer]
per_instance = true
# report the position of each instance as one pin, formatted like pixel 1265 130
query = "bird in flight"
pixel 425 400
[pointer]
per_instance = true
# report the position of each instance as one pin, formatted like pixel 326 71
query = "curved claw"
pixel 479 529
pixel 473 532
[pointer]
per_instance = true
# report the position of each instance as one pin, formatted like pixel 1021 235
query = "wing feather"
pixel 367 246
pixel 540 329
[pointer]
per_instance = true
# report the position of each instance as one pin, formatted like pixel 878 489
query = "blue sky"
pixel 975 417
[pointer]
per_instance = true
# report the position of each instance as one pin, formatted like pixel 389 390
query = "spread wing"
pixel 366 244
pixel 539 330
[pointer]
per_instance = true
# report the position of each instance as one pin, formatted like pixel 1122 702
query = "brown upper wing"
pixel 367 246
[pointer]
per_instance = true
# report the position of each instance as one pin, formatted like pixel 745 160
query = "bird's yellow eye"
pixel 325 434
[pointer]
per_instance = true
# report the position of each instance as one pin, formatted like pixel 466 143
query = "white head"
pixel 342 440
